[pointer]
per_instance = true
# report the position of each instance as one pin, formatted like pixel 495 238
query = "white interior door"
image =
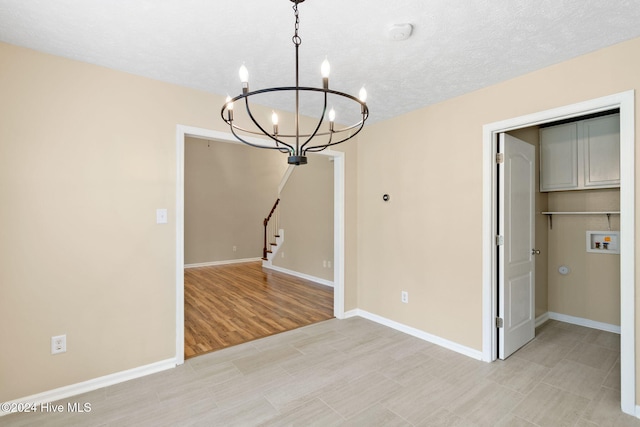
pixel 516 280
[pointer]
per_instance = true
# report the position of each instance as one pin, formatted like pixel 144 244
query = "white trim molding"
pixel 182 132
pixel 450 345
pixel 542 319
pixel 584 322
pixel 285 178
pixel 625 101
pixel 94 384
pixel 338 233
pixel 229 261
pixel 304 276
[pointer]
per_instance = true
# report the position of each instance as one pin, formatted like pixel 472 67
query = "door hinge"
pixel 499 322
pixel 499 158
pixel 499 240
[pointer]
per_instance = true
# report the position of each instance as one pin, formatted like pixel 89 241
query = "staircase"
pixel 273 235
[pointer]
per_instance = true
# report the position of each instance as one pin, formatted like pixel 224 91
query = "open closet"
pixel 577 220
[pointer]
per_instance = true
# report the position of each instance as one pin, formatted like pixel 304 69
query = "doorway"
pixel 625 102
pixel 339 222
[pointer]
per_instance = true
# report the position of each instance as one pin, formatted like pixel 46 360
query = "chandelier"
pixel 325 133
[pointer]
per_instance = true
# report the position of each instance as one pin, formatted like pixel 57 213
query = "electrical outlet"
pixel 324 263
pixel 404 297
pixel 235 248
pixel 328 264
pixel 58 344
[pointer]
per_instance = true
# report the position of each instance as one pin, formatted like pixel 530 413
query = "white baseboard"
pixel 351 313
pixel 450 345
pixel 317 280
pixel 581 322
pixel 542 319
pixel 94 384
pixel 230 261
pixel 637 414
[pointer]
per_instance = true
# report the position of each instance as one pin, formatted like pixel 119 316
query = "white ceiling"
pixel 457 46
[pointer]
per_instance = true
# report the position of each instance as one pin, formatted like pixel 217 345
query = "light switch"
pixel 161 216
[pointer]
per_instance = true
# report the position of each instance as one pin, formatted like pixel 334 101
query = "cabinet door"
pixel 559 157
pixel 601 150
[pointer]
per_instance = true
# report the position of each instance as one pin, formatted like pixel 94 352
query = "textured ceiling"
pixel 457 46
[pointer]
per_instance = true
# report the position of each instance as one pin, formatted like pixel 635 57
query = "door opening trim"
pixel 625 101
pixel 338 225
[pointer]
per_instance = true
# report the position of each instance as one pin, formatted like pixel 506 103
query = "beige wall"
pixel 228 191
pixel 532 136
pixel 87 155
pixel 592 289
pixel 428 239
pixel 306 215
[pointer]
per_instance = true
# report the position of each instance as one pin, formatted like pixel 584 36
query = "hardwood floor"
pixel 231 304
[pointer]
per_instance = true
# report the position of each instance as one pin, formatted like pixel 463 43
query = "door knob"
pixel 535 251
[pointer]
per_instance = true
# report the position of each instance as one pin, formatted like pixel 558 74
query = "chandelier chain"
pixel 296 38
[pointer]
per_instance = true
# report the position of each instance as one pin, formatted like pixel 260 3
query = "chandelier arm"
pixel 301 88
pixel 320 121
pixel 317 148
pixel 360 124
pixel 281 149
pixel 253 132
pixel 338 131
pixel 235 128
pixel 246 101
pixel 365 114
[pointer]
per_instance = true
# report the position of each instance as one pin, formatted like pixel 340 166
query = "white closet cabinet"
pixel 581 155
pixel 559 157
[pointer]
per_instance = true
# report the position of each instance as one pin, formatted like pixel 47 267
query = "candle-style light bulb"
pixel 244 74
pixel 229 107
pixel 332 118
pixel 274 120
pixel 363 94
pixel 325 69
pixel 244 78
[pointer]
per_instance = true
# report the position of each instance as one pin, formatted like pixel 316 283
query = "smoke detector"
pixel 399 32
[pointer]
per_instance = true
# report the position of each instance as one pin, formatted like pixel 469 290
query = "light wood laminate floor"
pixel 230 304
pixel 358 373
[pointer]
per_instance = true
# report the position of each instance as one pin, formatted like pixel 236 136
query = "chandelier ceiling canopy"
pixel 318 137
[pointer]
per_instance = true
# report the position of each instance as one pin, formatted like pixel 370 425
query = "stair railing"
pixel 271 228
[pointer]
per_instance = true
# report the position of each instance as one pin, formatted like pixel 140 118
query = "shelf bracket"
pixel 609 220
pixel 550 222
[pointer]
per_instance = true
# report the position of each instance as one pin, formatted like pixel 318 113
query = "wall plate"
pixel 603 242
